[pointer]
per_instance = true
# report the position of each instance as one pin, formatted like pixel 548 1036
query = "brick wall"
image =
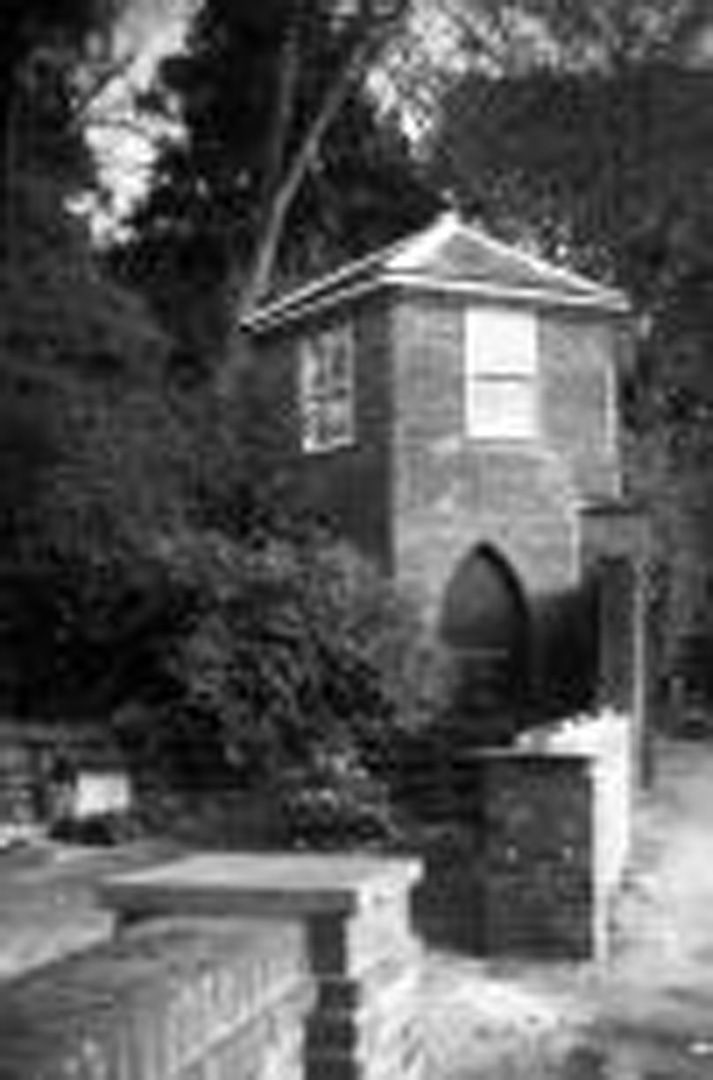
pixel 413 490
pixel 232 967
pixel 360 949
pixel 348 487
pixel 220 1001
pixel 580 399
pixel 557 822
pixel 451 493
pixel 418 494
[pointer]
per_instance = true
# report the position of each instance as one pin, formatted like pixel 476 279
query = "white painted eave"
pixel 282 314
pixel 405 265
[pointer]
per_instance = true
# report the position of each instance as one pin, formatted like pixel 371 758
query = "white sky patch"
pixel 409 79
pixel 408 82
pixel 124 142
pixel 443 40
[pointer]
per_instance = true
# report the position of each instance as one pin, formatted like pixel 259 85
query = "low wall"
pixel 607 742
pixel 557 822
pixel 218 1001
pixel 232 967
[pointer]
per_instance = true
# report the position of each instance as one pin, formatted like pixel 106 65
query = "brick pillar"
pixel 362 953
pixel 541 894
pixel 617 611
pixel 367 967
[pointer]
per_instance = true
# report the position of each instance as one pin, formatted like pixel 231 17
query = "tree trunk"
pixel 247 288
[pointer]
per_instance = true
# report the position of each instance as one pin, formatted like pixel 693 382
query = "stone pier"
pixel 363 956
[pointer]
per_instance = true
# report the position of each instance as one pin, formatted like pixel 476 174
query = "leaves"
pixel 285 165
pixel 278 650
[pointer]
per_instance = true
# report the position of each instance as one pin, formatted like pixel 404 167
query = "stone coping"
pixel 269 886
pixel 530 753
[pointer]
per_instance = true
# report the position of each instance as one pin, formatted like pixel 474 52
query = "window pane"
pixel 339 349
pixel 326 389
pixel 501 341
pixel 502 409
pixel 337 422
pixel 311 369
pixel 310 428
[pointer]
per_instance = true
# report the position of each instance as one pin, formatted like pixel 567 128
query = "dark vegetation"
pixel 148 578
pixel 144 575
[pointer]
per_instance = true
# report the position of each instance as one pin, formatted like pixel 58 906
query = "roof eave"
pixel 297 307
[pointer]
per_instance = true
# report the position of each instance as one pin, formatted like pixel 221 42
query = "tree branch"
pixel 86 100
pixel 367 35
pixel 287 80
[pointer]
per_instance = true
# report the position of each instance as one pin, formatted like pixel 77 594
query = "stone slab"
pixel 279 885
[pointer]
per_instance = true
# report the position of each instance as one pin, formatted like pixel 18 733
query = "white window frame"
pixel 501 365
pixel 612 405
pixel 326 389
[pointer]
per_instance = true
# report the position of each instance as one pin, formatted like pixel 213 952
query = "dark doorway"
pixel 486 627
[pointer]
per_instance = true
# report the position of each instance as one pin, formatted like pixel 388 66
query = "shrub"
pixel 274 653
pixel 337 803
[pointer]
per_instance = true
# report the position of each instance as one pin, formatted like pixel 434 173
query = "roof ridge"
pixel 420 247
pixel 406 261
pixel 536 262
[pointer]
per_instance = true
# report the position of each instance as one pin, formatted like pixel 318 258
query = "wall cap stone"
pixel 269 885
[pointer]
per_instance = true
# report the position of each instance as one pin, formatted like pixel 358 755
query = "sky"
pixel 152 29
pixel 149 31
pixel 407 80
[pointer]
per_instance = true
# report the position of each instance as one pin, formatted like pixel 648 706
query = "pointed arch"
pixel 484 601
pixel 485 623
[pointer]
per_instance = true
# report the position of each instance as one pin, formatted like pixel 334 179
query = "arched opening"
pixel 485 625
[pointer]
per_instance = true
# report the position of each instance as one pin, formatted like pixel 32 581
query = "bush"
pixel 98 830
pixel 271 654
pixel 337 803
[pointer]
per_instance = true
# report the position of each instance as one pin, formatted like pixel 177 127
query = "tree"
pixel 278 132
pixel 266 652
pixel 71 340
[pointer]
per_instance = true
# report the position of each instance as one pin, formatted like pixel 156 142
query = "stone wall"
pixel 232 967
pixel 220 1001
pixel 557 825
pixel 360 948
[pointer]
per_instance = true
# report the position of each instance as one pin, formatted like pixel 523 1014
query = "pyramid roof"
pixel 452 257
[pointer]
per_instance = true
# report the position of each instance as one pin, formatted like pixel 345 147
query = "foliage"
pixel 27 26
pixel 270 654
pixel 336 802
pixel 70 343
pixel 285 164
pixel 519 36
pixel 66 333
